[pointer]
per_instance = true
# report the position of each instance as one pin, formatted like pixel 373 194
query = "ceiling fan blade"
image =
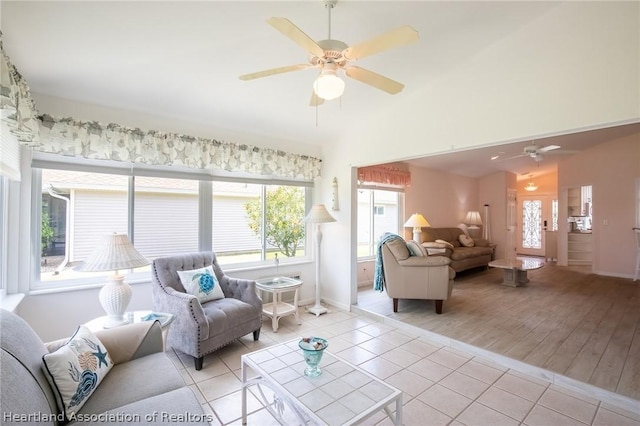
pixel 549 148
pixel 315 99
pixel 287 28
pixel 274 71
pixel 376 80
pixel 389 40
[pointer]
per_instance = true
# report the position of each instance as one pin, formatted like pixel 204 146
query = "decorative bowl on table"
pixel 312 349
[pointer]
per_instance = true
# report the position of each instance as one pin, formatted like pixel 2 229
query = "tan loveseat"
pixel 462 258
pixel 415 277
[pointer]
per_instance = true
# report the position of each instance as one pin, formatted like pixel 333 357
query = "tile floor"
pixel 441 385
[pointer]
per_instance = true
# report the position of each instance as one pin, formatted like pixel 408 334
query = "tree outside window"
pixel 284 211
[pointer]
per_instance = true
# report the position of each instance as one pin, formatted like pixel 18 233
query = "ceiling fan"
pixel 532 151
pixel 331 56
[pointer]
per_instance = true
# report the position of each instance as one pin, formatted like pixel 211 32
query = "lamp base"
pixel 114 298
pixel 115 322
pixel 318 310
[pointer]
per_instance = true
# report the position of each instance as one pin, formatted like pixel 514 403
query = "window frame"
pixel 205 232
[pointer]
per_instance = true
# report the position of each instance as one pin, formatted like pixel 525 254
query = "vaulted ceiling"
pixel 182 60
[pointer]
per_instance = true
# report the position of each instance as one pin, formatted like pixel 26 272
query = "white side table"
pixel 277 308
pixel 165 320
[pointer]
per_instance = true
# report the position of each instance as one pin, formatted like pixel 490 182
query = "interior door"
pixel 532 212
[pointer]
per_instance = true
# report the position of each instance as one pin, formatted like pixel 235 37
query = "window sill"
pixel 11 301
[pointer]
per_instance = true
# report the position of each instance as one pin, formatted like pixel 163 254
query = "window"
pixel 379 211
pixel 245 223
pixel 554 215
pixel 254 222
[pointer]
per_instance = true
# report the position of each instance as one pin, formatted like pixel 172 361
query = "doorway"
pixel 533 212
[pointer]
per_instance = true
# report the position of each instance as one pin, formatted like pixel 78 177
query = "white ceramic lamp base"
pixel 114 298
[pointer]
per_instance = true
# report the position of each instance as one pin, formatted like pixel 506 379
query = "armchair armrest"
pixel 428 261
pixel 185 307
pixel 244 290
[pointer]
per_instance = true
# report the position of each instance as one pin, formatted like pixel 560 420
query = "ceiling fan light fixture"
pixel 328 85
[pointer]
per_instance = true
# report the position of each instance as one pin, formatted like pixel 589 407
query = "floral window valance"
pixel 114 142
pixel 18 110
pixel 94 140
pixel 386 175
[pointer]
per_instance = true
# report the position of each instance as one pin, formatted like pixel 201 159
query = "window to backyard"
pixel 245 223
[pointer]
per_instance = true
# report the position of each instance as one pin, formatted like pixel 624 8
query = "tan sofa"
pixel 462 258
pixel 415 277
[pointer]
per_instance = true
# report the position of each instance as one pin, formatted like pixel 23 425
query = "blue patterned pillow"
pixel 76 369
pixel 202 283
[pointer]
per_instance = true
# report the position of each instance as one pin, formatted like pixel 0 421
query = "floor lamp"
pixel 318 215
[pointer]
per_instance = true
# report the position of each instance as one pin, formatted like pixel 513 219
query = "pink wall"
pixel 612 169
pixel 442 198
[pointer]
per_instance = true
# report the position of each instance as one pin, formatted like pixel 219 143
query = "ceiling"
pixel 182 60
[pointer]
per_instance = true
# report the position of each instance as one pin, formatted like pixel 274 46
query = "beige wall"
pixel 612 169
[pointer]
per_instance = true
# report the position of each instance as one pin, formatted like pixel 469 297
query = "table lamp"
pixel 114 253
pixel 473 220
pixel 416 221
pixel 318 214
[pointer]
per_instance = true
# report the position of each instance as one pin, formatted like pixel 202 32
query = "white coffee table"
pixel 515 270
pixel 343 394
pixel 277 308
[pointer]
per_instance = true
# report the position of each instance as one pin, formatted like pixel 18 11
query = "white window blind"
pixel 9 153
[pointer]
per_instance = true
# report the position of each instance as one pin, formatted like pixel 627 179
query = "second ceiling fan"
pixel 331 56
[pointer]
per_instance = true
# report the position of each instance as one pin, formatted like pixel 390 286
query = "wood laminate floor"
pixel 566 320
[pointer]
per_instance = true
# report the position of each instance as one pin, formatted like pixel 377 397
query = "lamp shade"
pixel 473 219
pixel 319 214
pixel 416 221
pixel 114 252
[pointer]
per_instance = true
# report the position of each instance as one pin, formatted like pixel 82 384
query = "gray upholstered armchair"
pixel 199 329
pixel 415 277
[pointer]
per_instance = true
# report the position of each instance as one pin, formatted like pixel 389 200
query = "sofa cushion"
pixel 447 244
pixel 462 253
pixel 202 283
pixel 76 369
pixel 179 406
pixel 24 349
pixel 134 381
pixel 416 249
pixel 398 248
pixel 466 240
pixel 447 234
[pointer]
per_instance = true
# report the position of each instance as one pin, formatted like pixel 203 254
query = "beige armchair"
pixel 415 277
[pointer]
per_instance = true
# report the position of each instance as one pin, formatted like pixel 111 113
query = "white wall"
pixel 576 67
